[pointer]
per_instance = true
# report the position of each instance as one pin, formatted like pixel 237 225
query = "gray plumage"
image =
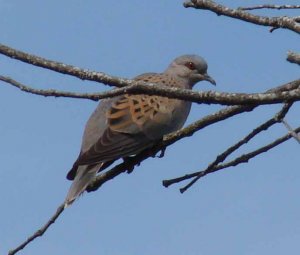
pixel 125 125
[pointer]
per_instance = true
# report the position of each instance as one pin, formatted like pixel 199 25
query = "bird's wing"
pixel 132 123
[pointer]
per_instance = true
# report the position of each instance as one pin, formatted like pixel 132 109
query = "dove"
pixel 125 125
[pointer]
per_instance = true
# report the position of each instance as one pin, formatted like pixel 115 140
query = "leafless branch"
pixel 39 232
pixel 62 68
pixel 246 157
pixel 135 87
pixel 221 157
pixel 206 97
pixel 241 159
pixel 293 57
pixel 277 118
pixel 269 6
pixel 47 93
pixel 275 22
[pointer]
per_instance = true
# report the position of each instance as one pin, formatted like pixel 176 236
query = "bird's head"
pixel 190 67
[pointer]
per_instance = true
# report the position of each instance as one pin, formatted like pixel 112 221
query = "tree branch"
pixel 39 232
pixel 278 117
pixel 58 67
pixel 206 97
pixel 269 6
pixel 49 92
pixel 275 22
pixel 241 159
pixel 293 57
pixel 221 157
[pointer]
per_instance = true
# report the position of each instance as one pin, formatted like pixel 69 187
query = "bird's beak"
pixel 206 77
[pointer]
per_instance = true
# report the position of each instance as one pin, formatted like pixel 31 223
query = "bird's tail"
pixel 83 177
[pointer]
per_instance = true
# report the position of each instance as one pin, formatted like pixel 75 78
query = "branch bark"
pixel 275 22
pixel 269 6
pixel 293 57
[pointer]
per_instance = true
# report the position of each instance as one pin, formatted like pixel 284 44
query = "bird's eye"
pixel 190 65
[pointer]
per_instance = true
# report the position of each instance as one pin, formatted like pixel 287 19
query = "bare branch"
pixel 47 93
pixel 293 57
pixel 277 118
pixel 206 97
pixel 241 159
pixel 39 232
pixel 276 22
pixel 246 157
pixel 221 157
pixel 269 6
pixel 136 87
pixel 82 74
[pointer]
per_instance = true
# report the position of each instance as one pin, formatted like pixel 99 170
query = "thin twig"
pixel 243 158
pixel 269 6
pixel 277 118
pixel 246 157
pixel 39 232
pixel 221 157
pixel 48 92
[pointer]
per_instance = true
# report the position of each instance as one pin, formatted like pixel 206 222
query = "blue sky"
pixel 251 209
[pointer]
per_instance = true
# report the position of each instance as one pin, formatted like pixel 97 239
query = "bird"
pixel 125 125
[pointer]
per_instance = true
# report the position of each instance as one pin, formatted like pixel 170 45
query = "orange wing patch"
pixel 133 111
pixel 136 110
